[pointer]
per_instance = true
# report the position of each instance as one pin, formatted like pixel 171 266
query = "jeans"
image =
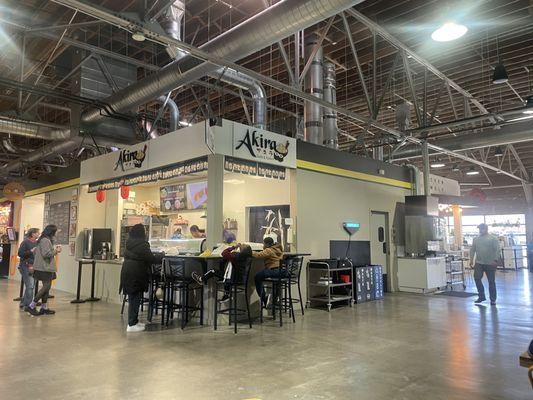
pixel 264 274
pixel 490 271
pixel 134 302
pixel 43 292
pixel 27 279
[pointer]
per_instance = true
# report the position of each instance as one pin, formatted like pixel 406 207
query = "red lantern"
pixel 125 192
pixel 100 195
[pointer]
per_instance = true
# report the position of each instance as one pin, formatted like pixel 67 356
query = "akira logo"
pixel 131 159
pixel 260 147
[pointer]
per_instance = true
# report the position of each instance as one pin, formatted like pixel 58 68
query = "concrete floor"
pixel 405 347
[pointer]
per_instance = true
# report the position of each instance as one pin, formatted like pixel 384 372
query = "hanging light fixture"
pixel 529 105
pixel 438 164
pixel 500 74
pixel 449 31
pixel 456 168
pixel 138 36
pixel 472 172
pixel 498 152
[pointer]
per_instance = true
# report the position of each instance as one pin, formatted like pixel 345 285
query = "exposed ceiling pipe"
pixel 331 130
pixel 509 134
pixel 8 144
pixel 37 130
pixel 256 89
pixel 267 27
pixel 172 23
pixel 314 85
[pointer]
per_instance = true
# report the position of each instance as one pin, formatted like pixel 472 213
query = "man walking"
pixel 486 249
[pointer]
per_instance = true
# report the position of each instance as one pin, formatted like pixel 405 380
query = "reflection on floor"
pixel 405 347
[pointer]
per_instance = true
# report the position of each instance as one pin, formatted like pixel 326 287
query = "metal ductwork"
pixel 509 134
pixel 256 89
pixel 267 27
pixel 12 148
pixel 331 130
pixel 314 84
pixel 36 130
pixel 172 23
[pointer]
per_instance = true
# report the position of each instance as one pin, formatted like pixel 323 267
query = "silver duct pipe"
pixel 509 134
pixel 331 130
pixel 377 152
pixel 314 84
pixel 174 111
pixel 256 89
pixel 415 178
pixel 172 22
pixel 37 130
pixel 267 27
pixel 12 148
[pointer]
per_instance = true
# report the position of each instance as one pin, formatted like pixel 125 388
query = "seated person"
pixel 196 232
pixel 177 234
pixel 237 255
pixel 272 254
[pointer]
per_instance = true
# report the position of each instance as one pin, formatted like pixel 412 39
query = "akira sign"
pixel 258 145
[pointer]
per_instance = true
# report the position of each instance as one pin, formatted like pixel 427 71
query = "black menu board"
pixel 59 215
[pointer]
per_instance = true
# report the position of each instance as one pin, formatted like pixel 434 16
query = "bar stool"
pixel 177 274
pixel 237 284
pixel 154 280
pixel 294 266
pixel 281 290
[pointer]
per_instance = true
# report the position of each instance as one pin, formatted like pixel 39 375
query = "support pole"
pixel 425 156
pixel 457 226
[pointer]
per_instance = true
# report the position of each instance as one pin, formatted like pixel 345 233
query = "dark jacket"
pixel 138 259
pixel 25 252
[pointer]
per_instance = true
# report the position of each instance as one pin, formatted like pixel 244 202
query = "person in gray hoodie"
pixel 44 269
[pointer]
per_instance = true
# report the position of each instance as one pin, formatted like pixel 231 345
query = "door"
pixel 379 240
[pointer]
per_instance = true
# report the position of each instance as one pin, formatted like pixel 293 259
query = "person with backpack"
pixel 44 269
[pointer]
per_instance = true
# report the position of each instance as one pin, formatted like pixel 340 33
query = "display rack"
pixel 455 272
pixel 324 282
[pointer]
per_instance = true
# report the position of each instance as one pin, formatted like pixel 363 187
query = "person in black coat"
pixel 135 274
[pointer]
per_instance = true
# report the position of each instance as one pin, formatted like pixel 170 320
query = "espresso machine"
pixel 97 243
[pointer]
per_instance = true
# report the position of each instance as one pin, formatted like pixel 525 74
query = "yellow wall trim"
pixel 51 188
pixel 352 174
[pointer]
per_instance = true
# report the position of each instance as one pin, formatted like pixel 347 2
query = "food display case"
pixel 175 247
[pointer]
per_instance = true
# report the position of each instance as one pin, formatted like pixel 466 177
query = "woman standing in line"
pixel 26 256
pixel 44 269
pixel 135 274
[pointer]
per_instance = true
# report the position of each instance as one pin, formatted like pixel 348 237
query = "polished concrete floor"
pixel 405 347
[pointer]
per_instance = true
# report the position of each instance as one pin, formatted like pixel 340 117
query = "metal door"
pixel 379 239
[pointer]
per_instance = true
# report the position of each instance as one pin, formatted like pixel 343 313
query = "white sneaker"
pixel 135 328
pixel 141 324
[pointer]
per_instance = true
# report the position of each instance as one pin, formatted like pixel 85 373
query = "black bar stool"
pixel 281 289
pixel 237 284
pixel 177 274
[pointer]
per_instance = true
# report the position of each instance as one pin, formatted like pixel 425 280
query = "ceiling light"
pixel 138 36
pixel 456 168
pixel 185 123
pixel 529 105
pixel 438 164
pixel 498 152
pixel 472 172
pixel 449 31
pixel 500 74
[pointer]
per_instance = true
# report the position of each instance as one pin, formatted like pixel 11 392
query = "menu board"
pixel 172 198
pixel 59 215
pixel 196 195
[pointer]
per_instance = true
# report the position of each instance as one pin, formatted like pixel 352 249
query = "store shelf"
pixel 326 299
pixel 331 284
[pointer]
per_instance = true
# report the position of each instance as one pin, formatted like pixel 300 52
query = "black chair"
pixel 281 289
pixel 177 275
pixel 155 278
pixel 294 267
pixel 237 284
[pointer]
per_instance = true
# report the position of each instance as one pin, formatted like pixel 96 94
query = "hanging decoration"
pixel 14 191
pixel 125 192
pixel 100 196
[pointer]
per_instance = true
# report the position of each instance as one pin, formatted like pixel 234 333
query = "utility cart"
pixel 330 281
pixel 455 272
